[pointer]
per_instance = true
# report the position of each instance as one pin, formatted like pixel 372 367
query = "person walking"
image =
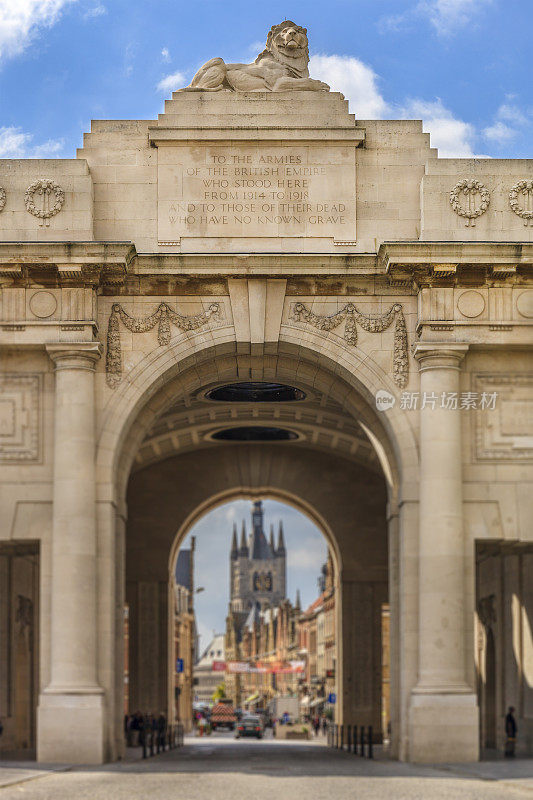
pixel 162 730
pixel 511 730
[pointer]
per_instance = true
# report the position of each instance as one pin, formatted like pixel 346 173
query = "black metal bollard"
pixel 349 739
pixel 151 743
pixel 143 734
pixel 157 742
pixel 342 737
pixel 362 741
pixel 355 740
pixel 336 745
pixel 370 750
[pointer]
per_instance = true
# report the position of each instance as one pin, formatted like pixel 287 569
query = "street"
pixel 221 768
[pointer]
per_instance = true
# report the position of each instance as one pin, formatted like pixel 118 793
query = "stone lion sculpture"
pixel 281 67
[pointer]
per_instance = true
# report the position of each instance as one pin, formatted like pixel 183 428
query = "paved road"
pixel 220 768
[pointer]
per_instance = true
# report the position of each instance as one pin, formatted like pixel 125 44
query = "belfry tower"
pixel 258 570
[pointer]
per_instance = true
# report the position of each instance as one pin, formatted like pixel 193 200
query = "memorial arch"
pixel 390 290
pixel 170 444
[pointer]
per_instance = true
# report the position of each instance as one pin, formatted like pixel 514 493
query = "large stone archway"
pixel 119 312
pixel 171 436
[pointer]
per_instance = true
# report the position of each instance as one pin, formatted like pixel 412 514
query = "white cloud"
pixel 453 137
pixel 356 80
pixel 499 132
pixel 130 52
pixel 165 54
pixel 446 16
pixel 511 113
pixel 508 122
pixel 48 149
pixel 15 143
pixel 171 82
pixel 307 558
pixel 20 21
pixel 254 48
pixel 95 11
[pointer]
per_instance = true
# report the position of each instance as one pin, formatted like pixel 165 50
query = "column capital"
pixel 74 355
pixel 439 355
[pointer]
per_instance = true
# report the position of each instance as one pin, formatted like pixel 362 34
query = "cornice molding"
pixel 419 264
pixel 405 265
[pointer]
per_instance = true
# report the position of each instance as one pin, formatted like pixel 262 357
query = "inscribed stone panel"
pixel 256 191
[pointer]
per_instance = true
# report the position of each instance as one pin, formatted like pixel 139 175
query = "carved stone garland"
pixel 524 188
pixel 46 189
pixel 162 317
pixel 2 198
pixel 470 188
pixel 372 323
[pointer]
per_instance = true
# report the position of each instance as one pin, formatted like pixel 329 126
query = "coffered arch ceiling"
pixel 316 422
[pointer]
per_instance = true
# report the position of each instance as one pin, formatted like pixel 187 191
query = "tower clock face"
pixel 262 582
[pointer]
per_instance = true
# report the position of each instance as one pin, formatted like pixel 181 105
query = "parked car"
pixel 250 725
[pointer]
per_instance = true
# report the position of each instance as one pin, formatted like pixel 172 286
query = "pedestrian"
pixel 510 732
pixel 324 725
pixel 316 725
pixel 162 729
pixel 202 726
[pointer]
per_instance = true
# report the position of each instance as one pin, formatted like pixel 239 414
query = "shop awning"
pixel 317 701
pixel 304 701
pixel 252 698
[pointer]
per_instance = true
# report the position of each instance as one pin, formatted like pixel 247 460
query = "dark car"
pixel 250 725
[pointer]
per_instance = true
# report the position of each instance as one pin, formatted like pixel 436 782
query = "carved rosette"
pixel 372 323
pixel 162 317
pixel 476 196
pixel 2 198
pixel 523 188
pixel 44 199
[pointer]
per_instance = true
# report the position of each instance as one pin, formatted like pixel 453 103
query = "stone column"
pixel 71 709
pixel 443 714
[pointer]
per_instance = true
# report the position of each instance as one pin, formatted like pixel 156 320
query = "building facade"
pixel 207 675
pixel 317 625
pixel 358 345
pixel 185 636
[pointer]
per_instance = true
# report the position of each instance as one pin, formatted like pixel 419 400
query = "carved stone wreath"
pixel 525 188
pixel 162 317
pixel 2 198
pixel 372 323
pixel 469 187
pixel 47 190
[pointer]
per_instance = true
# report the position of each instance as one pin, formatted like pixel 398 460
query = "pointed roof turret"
pixel 260 549
pixel 271 541
pixel 243 549
pixel 234 548
pixel 281 541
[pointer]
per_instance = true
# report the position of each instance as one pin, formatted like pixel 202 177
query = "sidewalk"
pixel 514 772
pixel 13 772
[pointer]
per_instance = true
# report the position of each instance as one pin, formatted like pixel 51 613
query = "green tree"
pixel 219 692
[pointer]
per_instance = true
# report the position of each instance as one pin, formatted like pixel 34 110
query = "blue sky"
pixel 306 552
pixel 463 66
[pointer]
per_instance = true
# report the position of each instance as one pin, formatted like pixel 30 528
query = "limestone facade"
pixel 268 237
